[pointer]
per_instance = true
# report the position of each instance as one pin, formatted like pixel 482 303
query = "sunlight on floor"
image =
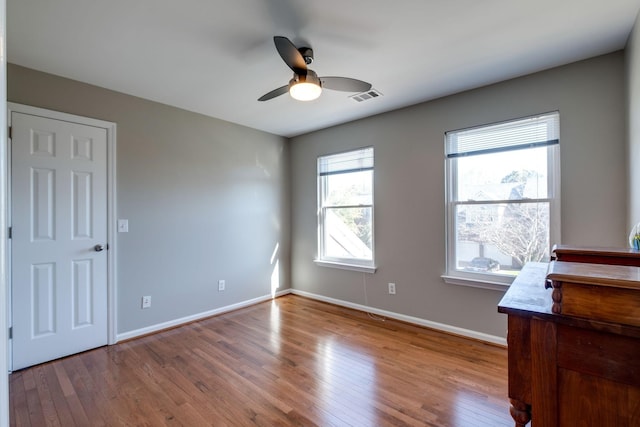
pixel 274 325
pixel 347 376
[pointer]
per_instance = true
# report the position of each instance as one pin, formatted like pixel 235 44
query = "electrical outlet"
pixel 146 301
pixel 221 285
pixel 392 288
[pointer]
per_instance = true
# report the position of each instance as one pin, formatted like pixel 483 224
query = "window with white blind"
pixel 345 210
pixel 503 198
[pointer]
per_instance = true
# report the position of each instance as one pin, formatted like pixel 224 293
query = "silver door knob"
pixel 98 248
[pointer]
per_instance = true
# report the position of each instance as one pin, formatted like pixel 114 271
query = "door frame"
pixel 110 128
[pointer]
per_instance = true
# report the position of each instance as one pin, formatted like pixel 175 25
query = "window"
pixel 345 210
pixel 503 205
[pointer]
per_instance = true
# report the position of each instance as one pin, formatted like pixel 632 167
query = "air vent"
pixel 366 96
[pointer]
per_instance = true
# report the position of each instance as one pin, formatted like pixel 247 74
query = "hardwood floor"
pixel 288 362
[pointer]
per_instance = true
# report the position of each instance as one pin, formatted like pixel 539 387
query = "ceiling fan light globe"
pixel 305 91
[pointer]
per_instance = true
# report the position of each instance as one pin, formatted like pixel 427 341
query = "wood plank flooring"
pixel 288 362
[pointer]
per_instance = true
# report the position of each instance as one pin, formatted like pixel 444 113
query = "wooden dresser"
pixel 574 340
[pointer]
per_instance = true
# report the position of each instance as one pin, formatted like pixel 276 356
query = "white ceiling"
pixel 216 57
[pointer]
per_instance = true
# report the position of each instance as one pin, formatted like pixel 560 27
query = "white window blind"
pixel 530 132
pixel 352 161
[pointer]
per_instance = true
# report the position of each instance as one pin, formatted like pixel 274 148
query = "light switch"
pixel 123 226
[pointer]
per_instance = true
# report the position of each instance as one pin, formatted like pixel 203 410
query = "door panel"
pixel 58 215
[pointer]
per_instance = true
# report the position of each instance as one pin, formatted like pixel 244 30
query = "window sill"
pixel 475 283
pixel 343 266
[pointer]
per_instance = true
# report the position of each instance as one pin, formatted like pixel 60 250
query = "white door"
pixel 59 238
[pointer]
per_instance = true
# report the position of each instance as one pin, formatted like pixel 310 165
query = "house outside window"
pixel 345 210
pixel 503 199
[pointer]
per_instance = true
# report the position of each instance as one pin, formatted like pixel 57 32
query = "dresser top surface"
pixel 527 292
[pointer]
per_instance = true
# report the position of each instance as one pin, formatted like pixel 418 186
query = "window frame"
pixel 452 274
pixel 356 264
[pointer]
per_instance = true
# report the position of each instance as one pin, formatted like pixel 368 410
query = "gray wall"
pixel 209 200
pixel 633 106
pixel 409 188
pixel 205 200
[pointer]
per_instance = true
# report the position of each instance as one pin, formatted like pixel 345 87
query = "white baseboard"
pixel 184 320
pixel 404 318
pixel 409 319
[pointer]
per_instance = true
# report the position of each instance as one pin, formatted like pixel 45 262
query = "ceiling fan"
pixel 305 84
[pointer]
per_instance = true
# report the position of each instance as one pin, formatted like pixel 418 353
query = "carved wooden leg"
pixel 520 412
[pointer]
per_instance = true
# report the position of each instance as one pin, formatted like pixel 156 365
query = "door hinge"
pixel 11 332
pixel 10 132
pixel 10 233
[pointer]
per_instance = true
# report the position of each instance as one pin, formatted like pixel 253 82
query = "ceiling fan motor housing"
pixel 310 77
pixel 307 54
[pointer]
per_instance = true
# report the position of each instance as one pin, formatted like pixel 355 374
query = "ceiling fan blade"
pixel 345 84
pixel 276 92
pixel 290 55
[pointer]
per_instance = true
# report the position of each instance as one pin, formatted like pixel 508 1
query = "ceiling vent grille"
pixel 366 96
